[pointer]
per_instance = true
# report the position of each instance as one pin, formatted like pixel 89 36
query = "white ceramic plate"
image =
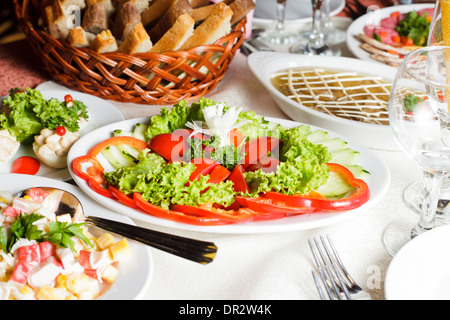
pixel 421 269
pixel 135 272
pixel 358 25
pixel 378 182
pixel 264 64
pixel 297 11
pixel 101 113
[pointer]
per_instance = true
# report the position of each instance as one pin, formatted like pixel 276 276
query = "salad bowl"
pixel 265 64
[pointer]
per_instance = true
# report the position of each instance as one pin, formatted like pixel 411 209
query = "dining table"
pixel 266 266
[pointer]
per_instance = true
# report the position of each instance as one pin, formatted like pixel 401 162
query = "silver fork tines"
pixel 332 274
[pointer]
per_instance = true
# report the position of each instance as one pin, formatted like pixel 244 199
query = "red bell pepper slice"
pixel 262 204
pixel 122 197
pixel 170 146
pixel 355 200
pixel 175 215
pixel 100 189
pixel 116 141
pixel 82 165
pixel 234 216
pixel 237 177
pixel 266 164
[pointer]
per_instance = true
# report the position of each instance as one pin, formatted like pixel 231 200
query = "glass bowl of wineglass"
pixel 420 119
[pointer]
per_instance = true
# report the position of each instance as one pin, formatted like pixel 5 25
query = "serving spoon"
pixel 195 250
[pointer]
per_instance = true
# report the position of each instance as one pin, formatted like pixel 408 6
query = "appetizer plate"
pixel 298 11
pixel 100 111
pixel 358 25
pixel 135 272
pixel 264 64
pixel 378 182
pixel 421 269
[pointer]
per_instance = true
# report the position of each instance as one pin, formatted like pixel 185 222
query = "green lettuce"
pixel 302 169
pixel 165 184
pixel 28 113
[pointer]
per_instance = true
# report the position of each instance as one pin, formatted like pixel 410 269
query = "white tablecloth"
pixel 276 265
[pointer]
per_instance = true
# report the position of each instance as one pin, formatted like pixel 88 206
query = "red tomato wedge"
pixel 170 146
pixel 26 165
pixel 258 148
pixel 266 164
pixel 175 215
pixel 218 174
pixel 203 166
pixel 237 177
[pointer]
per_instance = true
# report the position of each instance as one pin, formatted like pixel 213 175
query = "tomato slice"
pixel 266 164
pixel 218 174
pixel 122 197
pixel 237 177
pixel 175 215
pixel 26 165
pixel 171 147
pixel 115 141
pixel 203 166
pixel 258 148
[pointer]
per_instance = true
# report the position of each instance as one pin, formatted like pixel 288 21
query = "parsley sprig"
pixel 60 233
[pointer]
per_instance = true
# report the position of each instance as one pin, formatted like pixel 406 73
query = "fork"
pixel 332 274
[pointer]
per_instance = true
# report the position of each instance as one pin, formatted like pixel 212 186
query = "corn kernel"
pixel 27 197
pixel 110 273
pixel 27 290
pixel 119 250
pixel 105 241
pixel 61 281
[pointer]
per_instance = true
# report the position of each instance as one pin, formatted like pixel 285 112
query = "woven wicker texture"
pixel 145 78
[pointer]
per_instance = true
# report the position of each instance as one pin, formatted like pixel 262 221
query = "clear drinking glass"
pixel 420 120
pixel 414 194
pixel 315 44
pixel 279 35
pixel 332 34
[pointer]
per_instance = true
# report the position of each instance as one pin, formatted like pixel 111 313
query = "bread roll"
pixel 104 42
pixel 127 17
pixel 80 38
pixel 95 19
pixel 137 41
pixel 215 26
pixel 173 39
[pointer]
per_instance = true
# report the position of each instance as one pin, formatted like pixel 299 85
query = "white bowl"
pixel 264 64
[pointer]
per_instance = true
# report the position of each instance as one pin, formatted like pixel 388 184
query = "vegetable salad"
pixel 212 164
pixel 49 257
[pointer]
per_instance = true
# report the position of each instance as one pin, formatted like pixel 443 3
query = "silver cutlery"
pixel 195 250
pixel 332 274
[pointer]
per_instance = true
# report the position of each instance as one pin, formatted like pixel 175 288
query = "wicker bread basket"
pixel 144 78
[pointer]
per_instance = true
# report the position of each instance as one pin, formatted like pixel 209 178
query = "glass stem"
pixel 430 197
pixel 281 11
pixel 316 37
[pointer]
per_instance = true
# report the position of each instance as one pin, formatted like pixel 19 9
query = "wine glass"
pixel 420 119
pixel 414 194
pixel 315 44
pixel 279 35
pixel 332 34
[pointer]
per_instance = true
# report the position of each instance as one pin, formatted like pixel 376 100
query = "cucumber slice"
pixel 117 158
pixel 335 144
pixel 345 157
pixel 139 131
pixel 359 172
pixel 318 136
pixel 336 186
pixel 118 133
